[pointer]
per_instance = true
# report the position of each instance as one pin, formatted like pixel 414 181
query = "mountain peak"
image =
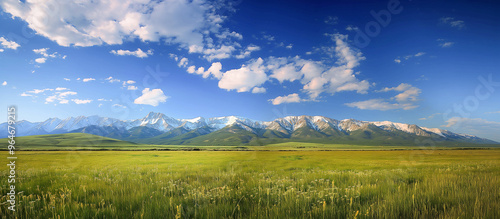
pixel 312 126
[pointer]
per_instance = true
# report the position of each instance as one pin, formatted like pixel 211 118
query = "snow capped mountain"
pixel 312 126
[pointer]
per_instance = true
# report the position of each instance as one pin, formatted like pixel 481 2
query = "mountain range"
pixel 157 128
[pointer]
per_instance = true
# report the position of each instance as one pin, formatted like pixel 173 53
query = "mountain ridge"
pixel 157 128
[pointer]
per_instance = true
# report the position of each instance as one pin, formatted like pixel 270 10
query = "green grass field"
pixel 82 141
pixel 256 184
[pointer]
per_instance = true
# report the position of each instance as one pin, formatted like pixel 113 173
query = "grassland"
pixel 82 141
pixel 257 184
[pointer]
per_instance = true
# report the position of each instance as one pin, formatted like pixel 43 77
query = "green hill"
pixel 71 141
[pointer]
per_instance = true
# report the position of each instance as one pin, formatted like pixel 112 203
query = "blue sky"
pixel 432 63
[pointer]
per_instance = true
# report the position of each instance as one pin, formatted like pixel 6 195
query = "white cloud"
pixel 291 98
pixel 351 28
pixel 183 62
pixel 119 106
pixel 446 44
pixel 88 79
pixel 151 97
pixel 131 87
pixel 78 101
pixel 318 77
pixel 475 126
pixel 419 54
pixel 405 100
pixel 59 96
pixel 45 55
pixel 67 79
pixel 226 34
pixel 61 88
pixel 94 23
pixel 257 90
pixel 290 46
pixel 137 53
pixel 268 37
pixel 112 80
pixel 380 104
pixel 8 44
pixel 102 99
pixel 222 52
pixel 40 60
pixel 244 78
pixel 43 52
pixel 214 70
pixel 248 51
pixel 4 83
pixel 1 50
pixel 125 83
pixel 35 91
pixel 430 117
pixel 191 69
pixel 407 57
pixel 453 22
pixel 408 92
pixel 331 20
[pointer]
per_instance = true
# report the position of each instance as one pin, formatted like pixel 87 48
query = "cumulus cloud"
pixel 451 21
pixel 291 98
pixel 128 82
pixel 317 77
pixel 214 70
pixel 131 87
pixel 221 52
pixel 40 60
pixel 192 25
pixel 4 83
pixel 59 97
pixel 405 100
pixel 244 78
pixel 137 53
pixel 45 55
pixel 151 97
pixel 95 22
pixel 257 90
pixel 183 62
pixel 248 51
pixel 8 44
pixel 112 80
pixel 88 79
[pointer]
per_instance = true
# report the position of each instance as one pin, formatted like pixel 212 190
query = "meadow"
pixel 256 184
